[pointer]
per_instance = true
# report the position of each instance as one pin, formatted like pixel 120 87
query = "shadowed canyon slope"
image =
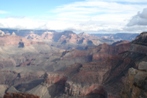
pixel 136 79
pixel 33 66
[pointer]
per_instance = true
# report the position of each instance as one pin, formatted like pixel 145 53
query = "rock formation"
pixel 33 36
pixel 21 44
pixel 135 83
pixel 13 34
pixel 2 33
pixel 75 73
pixel 47 35
pixel 19 95
pixel 3 88
pixel 50 72
pixel 66 39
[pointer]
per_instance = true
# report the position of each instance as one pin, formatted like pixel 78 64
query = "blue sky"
pixel 80 15
pixel 22 8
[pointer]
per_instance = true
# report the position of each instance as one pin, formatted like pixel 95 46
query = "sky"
pixel 93 16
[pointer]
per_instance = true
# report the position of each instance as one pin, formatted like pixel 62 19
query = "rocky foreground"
pixel 103 71
pixel 19 95
pixel 135 82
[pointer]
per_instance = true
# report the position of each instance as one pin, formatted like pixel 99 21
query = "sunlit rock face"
pixel 47 35
pixel 135 84
pixel 2 33
pixel 65 39
pixel 33 36
pixel 13 40
pixel 13 34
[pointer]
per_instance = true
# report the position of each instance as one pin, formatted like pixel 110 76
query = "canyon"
pixel 70 65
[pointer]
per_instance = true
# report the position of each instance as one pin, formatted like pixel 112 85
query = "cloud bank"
pixel 139 19
pixel 89 16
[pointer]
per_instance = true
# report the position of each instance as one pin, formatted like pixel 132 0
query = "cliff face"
pixel 101 76
pixel 135 83
pixel 66 39
pixel 91 73
pixel 58 86
pixel 98 72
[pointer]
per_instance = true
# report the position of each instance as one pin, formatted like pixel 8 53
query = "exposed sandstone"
pixel 142 66
pixel 47 36
pixel 135 84
pixel 33 36
pixel 3 88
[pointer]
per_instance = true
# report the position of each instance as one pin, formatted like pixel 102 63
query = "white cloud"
pixel 138 23
pixel 139 19
pixel 99 15
pixel 131 1
pixel 21 23
pixel 135 28
pixel 87 15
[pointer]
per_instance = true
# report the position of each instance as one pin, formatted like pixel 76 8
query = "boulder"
pixel 142 66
